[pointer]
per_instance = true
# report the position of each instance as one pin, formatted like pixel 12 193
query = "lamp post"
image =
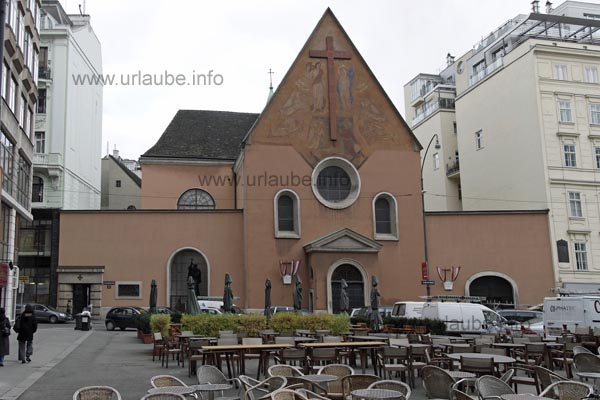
pixel 437 147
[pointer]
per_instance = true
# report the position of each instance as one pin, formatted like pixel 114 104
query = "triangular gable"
pixel 343 241
pixel 363 118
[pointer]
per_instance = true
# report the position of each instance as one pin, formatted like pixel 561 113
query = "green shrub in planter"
pixel 176 317
pixel 160 323
pixel 143 322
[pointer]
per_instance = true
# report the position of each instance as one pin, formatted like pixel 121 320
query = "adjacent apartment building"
pixel 19 97
pixel 518 121
pixel 121 183
pixel 67 143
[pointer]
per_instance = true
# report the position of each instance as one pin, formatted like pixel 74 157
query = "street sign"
pixel 24 278
pixel 427 282
pixel 109 284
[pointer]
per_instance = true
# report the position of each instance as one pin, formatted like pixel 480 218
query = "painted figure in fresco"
pixel 318 87
pixel 344 88
pixel 195 273
pixel 351 147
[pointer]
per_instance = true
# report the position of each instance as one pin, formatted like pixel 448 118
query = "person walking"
pixel 4 334
pixel 27 325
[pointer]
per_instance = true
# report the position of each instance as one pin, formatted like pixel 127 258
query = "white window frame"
pixel 295 234
pixel 564 111
pixel 479 139
pixel 569 155
pixel 581 256
pixel 590 73
pixel 575 205
pixel 436 161
pixel 597 156
pixel 560 72
pixel 393 217
pixel 595 113
pixel 39 142
pixel 119 283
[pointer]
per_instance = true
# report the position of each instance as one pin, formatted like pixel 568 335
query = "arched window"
pixel 196 199
pixel 37 190
pixel 385 219
pixel 287 214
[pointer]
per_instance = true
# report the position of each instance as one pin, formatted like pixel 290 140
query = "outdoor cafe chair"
pixel 163 396
pixel 310 395
pixel 354 382
pixel 393 385
pixel 456 394
pixel 292 356
pixel 334 388
pixel 172 347
pixel 157 345
pixel 580 349
pixel 319 356
pixel 211 374
pixel 97 393
pixel 437 382
pixel 287 394
pixel 283 370
pixel 545 377
pixel 489 386
pixel 568 390
pixel 265 387
pixel 165 380
pixel 523 375
pixel 285 340
pixel 477 366
pixel 397 360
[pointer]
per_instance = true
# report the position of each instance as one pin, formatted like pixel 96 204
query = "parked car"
pixel 408 309
pixel 164 310
pixel 277 309
pixel 516 318
pixel 535 325
pixel 122 317
pixel 211 311
pixel 45 313
pixel 364 312
pixel 464 317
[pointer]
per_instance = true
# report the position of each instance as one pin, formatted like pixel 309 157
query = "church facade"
pixel 325 183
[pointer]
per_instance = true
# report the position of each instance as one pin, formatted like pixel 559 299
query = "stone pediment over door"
pixel 343 241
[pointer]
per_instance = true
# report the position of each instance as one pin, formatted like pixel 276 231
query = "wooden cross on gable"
pixel 330 54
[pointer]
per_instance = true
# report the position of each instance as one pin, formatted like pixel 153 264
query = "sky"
pixel 240 40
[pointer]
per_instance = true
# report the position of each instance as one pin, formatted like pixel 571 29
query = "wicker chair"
pixel 489 386
pixel 283 370
pixel 163 396
pixel 311 395
pixel 478 366
pixel 334 389
pixel 456 394
pixel 507 376
pixel 286 394
pixel 586 362
pixel 97 393
pixel 437 382
pixel 165 380
pixel 353 382
pixel 524 376
pixel 379 394
pixel 211 374
pixel 265 387
pixel 545 377
pixel 579 350
pixel 393 385
pixel 567 390
pixel 292 356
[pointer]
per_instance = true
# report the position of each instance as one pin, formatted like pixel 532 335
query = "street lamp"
pixel 437 147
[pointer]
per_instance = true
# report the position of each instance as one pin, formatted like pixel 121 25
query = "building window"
pixel 575 205
pixel 40 142
pixel 479 140
pixel 130 290
pixel 562 248
pixel 196 199
pixel 385 217
pixel 287 214
pixel 570 155
pixel 5 87
pixel 564 107
pixel 591 74
pixel 12 94
pixel 118 183
pixel 454 127
pixel 23 182
pixel 597 156
pixel 7 162
pixel 41 105
pixel 22 112
pixel 436 161
pixel 595 113
pixel 560 72
pixel 37 190
pixel 581 256
pixel 335 183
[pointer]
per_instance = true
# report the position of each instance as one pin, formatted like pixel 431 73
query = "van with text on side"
pixel 408 309
pixel 570 312
pixel 464 317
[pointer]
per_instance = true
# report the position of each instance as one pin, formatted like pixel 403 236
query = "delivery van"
pixel 464 317
pixel 407 309
pixel 570 312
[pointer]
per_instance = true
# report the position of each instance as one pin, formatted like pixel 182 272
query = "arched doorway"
pixel 178 275
pixel 495 289
pixel 356 286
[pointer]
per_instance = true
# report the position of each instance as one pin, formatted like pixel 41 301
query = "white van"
pixel 407 309
pixel 572 311
pixel 463 317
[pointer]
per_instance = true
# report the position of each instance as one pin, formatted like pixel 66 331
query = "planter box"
pixel 146 338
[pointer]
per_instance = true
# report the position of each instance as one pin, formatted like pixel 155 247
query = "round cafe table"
pixel 211 388
pixel 360 394
pixel 317 379
pixel 522 396
pixel 183 390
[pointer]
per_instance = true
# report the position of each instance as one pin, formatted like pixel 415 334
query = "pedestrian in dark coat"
pixel 4 335
pixel 27 327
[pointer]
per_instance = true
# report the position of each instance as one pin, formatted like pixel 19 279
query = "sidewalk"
pixel 51 344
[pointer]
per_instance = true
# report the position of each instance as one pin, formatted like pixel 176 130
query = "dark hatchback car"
pixel 45 313
pixel 122 317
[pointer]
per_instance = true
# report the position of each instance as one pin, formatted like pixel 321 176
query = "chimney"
pixel 535 6
pixel 449 59
pixel 548 7
pixel 116 153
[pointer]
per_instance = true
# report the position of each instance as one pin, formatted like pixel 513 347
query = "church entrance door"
pixel 356 286
pixel 182 263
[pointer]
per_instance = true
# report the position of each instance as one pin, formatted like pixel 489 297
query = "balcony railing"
pixel 432 107
pixel 473 79
pixel 47 158
pixel 452 168
pixel 44 73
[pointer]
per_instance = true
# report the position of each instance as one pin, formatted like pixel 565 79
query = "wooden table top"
pixel 344 344
pixel 246 347
pixel 367 338
pixel 498 359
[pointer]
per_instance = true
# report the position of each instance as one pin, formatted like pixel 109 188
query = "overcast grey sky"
pixel 241 40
